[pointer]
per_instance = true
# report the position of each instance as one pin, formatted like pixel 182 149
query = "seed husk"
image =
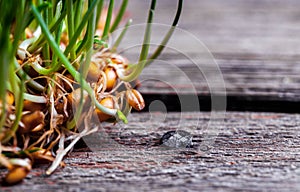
pixel 118 59
pixel 93 72
pixel 16 175
pixel 31 121
pixel 74 101
pixel 108 103
pixel 31 106
pixel 111 78
pixel 9 98
pixel 74 97
pixel 135 99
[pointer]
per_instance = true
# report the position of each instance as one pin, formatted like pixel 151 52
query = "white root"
pixel 61 152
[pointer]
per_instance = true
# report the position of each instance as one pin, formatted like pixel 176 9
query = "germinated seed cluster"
pixel 59 78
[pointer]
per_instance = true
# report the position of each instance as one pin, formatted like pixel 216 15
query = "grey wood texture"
pixel 251 152
pixel 256 45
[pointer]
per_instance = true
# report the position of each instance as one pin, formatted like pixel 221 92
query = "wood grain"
pixel 251 152
pixel 255 45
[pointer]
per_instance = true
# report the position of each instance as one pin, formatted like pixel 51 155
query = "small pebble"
pixel 177 139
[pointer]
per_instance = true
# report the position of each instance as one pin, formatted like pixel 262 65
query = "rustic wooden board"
pixel 233 26
pixel 254 43
pixel 257 84
pixel 245 77
pixel 252 152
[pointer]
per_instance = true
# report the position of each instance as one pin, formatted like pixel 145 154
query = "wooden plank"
pixel 255 44
pixel 233 26
pixel 258 84
pixel 242 77
pixel 252 152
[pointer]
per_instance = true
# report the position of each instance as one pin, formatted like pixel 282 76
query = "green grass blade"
pixel 119 15
pixel 167 37
pixel 147 34
pixel 83 23
pixel 108 19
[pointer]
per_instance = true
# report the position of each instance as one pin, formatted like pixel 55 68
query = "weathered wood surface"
pixel 255 43
pixel 253 27
pixel 252 152
pixel 277 79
